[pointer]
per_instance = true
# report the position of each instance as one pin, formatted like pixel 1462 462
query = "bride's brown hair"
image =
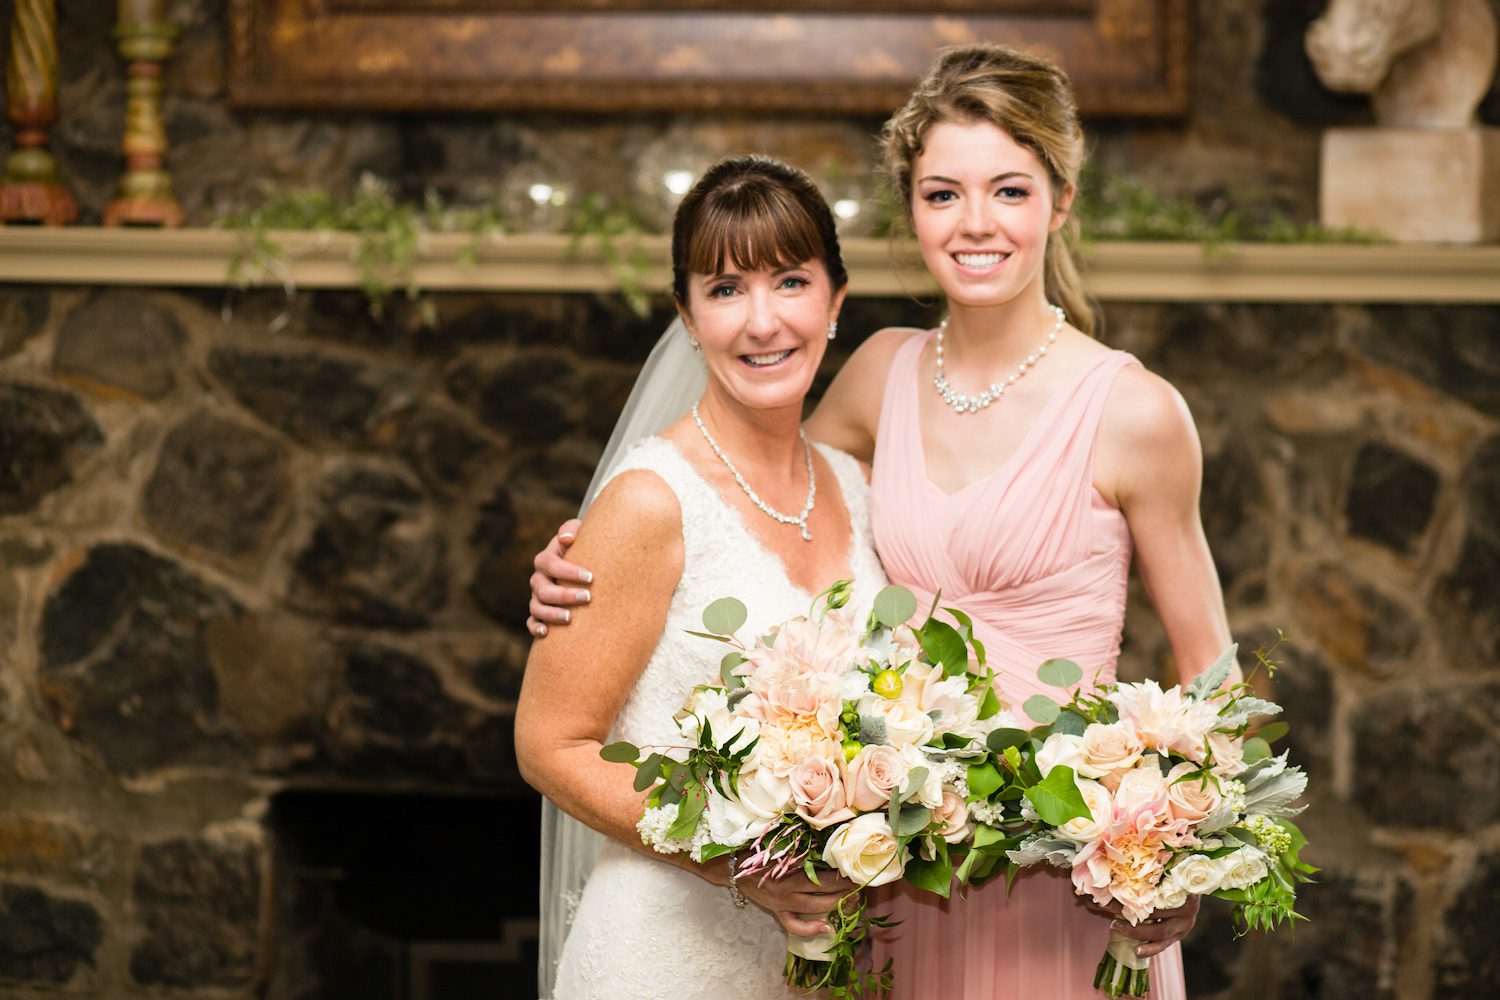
pixel 1030 100
pixel 755 212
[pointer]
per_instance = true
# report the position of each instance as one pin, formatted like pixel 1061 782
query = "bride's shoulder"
pixel 638 502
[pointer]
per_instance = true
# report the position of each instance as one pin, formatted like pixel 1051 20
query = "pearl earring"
pixel 696 346
pixel 833 329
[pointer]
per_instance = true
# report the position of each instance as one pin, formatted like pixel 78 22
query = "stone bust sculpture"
pixel 1424 63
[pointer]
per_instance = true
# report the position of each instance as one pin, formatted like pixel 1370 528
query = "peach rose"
pixel 1194 799
pixel 874 775
pixel 818 792
pixel 1109 750
pixel 953 815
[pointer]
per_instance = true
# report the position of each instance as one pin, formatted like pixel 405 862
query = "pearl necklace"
pixel 963 403
pixel 812 484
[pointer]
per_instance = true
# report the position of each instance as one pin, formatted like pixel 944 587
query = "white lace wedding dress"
pixel 645 929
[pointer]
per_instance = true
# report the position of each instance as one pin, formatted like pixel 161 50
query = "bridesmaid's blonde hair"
pixel 1029 99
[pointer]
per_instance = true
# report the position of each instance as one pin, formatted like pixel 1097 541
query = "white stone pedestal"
pixel 1414 185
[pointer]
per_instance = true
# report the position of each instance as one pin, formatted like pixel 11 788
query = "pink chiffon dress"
pixel 1039 560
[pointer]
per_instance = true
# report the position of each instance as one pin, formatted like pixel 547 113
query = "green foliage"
pixel 1060 673
pixel 841 976
pixel 1114 206
pixel 620 753
pixel 1056 797
pixel 617 233
pixel 724 616
pixel 389 236
pixel 894 606
pixel 1043 709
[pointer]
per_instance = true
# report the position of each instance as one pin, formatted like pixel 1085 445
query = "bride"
pixel 687 517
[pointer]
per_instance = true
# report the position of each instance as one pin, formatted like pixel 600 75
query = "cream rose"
pixel 1195 875
pixel 1229 755
pixel 1192 799
pixel 941 698
pixel 905 724
pixel 865 851
pixel 1243 868
pixel 874 775
pixel 1101 813
pixel 931 792
pixel 1170 895
pixel 818 792
pixel 1109 750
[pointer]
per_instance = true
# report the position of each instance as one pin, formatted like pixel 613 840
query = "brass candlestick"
pixel 31 190
pixel 145 197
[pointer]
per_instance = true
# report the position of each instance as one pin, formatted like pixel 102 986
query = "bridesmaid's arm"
pixel 849 412
pixel 1150 464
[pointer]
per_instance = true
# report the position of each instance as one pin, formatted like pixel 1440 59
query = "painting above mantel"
pixel 1127 58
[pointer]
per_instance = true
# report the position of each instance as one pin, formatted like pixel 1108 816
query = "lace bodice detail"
pixel 721 558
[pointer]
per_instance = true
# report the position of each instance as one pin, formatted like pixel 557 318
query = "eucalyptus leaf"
pixel 914 780
pixel 1060 673
pixel 731 660
pixel 894 606
pixel 1070 723
pixel 910 820
pixel 1057 799
pixel 647 773
pixel 710 635
pixel 1273 732
pixel 1256 749
pixel 724 616
pixel 1043 710
pixel 621 753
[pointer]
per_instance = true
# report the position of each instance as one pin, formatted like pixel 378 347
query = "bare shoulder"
pixel 871 361
pixel 637 514
pixel 1145 410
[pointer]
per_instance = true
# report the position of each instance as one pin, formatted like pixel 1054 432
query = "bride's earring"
pixel 833 329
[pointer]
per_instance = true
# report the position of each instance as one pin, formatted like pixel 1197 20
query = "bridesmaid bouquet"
pixel 827 746
pixel 1147 797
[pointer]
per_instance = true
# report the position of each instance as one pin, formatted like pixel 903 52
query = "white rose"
pixel 763 793
pixel 931 792
pixel 1060 749
pixel 1243 868
pixel 905 724
pixel 1170 895
pixel 1195 875
pixel 731 823
pixel 865 851
pixel 1101 809
pixel 1109 750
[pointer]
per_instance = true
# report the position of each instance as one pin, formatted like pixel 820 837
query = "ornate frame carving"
pixel 1126 57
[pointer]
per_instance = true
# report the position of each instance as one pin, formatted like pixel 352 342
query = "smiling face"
pixel 763 331
pixel 983 208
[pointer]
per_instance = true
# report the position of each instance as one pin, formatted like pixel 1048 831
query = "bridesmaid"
pixel 1018 465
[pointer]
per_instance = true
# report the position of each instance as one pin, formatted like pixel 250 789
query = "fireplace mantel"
pixel 1119 271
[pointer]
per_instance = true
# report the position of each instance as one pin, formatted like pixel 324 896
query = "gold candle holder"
pixel 31 190
pixel 145 195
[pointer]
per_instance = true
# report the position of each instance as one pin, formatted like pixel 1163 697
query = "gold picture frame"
pixel 1127 58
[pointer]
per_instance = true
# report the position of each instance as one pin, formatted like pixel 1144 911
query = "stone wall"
pixel 260 593
pixel 239 562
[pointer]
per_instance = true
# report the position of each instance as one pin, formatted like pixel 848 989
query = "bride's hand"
pixel 789 898
pixel 1156 935
pixel 550 597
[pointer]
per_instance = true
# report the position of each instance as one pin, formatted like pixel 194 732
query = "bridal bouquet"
pixel 826 746
pixel 1148 797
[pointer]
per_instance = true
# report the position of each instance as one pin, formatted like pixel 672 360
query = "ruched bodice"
pixel 1031 551
pixel 1040 561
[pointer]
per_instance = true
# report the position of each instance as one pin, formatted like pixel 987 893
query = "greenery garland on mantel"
pixel 390 232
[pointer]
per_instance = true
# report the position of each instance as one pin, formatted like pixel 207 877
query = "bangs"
pixel 754 227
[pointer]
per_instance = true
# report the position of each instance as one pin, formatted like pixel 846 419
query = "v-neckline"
pixel 739 518
pixel 1062 395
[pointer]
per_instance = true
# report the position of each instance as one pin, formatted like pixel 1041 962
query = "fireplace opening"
pixel 403 897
